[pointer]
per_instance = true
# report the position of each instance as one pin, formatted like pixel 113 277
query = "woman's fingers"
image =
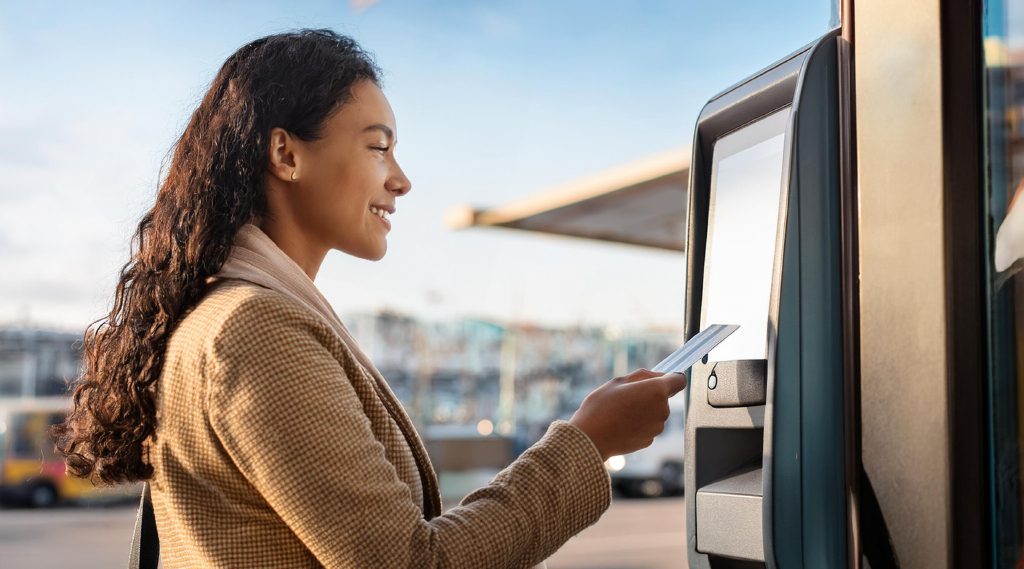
pixel 674 382
pixel 638 375
pixel 628 412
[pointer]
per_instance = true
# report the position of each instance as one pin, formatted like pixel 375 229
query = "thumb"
pixel 638 375
pixel 674 382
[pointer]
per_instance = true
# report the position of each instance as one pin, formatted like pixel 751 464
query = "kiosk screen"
pixel 746 181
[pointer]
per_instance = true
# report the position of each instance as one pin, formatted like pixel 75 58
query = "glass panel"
pixel 1003 31
pixel 746 181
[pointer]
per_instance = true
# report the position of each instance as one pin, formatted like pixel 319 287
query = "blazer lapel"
pixel 428 478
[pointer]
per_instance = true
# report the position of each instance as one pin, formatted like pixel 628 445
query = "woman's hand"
pixel 625 414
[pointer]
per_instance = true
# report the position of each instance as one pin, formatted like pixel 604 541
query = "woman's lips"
pixel 386 222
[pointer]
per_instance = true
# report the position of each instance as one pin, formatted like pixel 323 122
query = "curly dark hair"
pixel 215 184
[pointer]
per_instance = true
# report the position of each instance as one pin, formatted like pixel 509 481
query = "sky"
pixel 494 101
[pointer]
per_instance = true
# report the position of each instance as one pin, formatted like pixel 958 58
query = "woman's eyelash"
pixel 381 148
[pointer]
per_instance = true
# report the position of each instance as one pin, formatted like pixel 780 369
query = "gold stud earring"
pixel 293 176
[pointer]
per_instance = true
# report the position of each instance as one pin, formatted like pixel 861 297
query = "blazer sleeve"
pixel 289 418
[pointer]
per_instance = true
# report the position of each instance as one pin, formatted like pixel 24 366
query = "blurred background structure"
pixel 35 363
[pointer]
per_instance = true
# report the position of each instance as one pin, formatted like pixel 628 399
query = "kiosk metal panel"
pixel 764 435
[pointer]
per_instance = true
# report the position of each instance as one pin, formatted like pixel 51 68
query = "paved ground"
pixel 633 534
pixel 66 537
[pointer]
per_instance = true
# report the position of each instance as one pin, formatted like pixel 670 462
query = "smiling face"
pixel 345 183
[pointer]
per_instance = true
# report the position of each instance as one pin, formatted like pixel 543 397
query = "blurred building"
pixel 37 363
pixel 517 377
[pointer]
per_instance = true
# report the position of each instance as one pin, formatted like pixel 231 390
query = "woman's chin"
pixel 369 252
pixel 377 253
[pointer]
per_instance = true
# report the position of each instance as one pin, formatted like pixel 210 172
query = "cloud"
pixel 360 6
pixel 72 192
pixel 35 290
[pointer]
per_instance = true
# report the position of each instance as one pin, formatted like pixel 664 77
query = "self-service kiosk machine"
pixel 764 437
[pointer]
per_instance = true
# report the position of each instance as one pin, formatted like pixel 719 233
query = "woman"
pixel 224 378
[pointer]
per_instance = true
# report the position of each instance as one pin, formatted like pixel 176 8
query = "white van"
pixel 658 469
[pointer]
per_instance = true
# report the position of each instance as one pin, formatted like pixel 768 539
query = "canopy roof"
pixel 641 203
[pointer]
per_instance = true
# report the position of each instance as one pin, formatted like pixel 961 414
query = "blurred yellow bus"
pixel 30 472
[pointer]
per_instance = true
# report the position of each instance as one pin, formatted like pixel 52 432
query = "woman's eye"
pixel 383 149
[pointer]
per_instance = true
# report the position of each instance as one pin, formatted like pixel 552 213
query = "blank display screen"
pixel 746 180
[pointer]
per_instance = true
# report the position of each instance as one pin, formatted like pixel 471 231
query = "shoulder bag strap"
pixel 145 553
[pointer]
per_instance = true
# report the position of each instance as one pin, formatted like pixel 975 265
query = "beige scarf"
pixel 257 259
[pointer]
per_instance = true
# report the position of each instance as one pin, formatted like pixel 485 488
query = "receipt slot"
pixel 764 435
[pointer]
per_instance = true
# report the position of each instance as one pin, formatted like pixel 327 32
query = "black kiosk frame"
pixel 765 476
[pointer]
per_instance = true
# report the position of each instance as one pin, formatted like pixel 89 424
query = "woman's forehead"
pixel 367 108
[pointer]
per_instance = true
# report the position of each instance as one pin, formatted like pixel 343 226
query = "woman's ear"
pixel 284 155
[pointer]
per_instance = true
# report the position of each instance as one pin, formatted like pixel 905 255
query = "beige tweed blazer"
pixel 276 448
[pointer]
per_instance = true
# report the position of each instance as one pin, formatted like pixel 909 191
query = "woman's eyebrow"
pixel 383 128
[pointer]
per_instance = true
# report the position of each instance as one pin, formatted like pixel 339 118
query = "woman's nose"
pixel 398 182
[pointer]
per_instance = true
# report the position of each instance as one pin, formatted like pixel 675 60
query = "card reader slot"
pixel 738 383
